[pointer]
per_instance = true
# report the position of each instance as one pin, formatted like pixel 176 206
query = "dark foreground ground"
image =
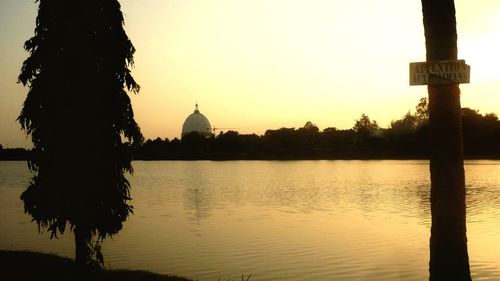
pixel 24 266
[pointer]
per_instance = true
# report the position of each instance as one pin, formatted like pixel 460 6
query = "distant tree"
pixel 422 112
pixel 364 126
pixel 251 144
pixel 402 136
pixel 491 117
pixel 368 135
pixel 307 139
pixel 228 142
pixel 311 127
pixel 283 137
pixel 280 143
pixel 481 133
pixel 330 130
pixel 406 125
pixel 194 142
pixel 155 149
pixel 175 142
pixel 81 122
pixel 471 114
pixel 308 133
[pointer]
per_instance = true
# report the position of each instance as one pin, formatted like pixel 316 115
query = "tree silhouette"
pixel 80 119
pixel 422 112
pixel 405 125
pixel 448 243
pixel 364 125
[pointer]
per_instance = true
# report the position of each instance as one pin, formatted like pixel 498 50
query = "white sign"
pixel 439 72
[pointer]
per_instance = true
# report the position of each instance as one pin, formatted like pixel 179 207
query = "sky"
pixel 266 64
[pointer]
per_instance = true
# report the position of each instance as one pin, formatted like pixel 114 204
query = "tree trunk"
pixel 448 243
pixel 83 250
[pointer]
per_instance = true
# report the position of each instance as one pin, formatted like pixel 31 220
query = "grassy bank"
pixel 24 266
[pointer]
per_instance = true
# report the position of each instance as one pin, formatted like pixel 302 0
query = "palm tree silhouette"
pixel 448 243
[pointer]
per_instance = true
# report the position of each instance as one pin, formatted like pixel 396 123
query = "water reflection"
pixel 280 221
pixel 449 259
pixel 303 187
pixel 198 201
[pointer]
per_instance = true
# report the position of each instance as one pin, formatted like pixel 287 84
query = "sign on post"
pixel 439 72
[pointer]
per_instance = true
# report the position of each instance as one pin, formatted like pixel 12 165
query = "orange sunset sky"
pixel 265 64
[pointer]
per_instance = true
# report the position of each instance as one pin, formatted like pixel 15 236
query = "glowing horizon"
pixel 257 65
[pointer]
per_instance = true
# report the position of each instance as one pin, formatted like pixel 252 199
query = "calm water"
pixel 293 220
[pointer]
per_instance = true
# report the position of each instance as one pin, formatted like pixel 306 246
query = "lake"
pixel 277 220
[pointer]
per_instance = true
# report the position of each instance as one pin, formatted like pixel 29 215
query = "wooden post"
pixel 448 243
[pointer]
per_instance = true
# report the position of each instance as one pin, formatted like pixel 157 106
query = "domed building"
pixel 197 122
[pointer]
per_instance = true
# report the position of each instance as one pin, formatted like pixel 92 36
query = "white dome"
pixel 197 122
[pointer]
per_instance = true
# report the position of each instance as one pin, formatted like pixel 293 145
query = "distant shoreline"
pixel 20 154
pixel 407 138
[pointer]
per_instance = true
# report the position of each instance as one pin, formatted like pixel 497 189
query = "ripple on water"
pixel 289 220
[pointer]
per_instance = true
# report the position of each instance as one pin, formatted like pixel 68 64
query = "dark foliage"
pixel 79 116
pixel 406 138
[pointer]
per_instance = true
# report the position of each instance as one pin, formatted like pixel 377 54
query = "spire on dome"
pixel 196 108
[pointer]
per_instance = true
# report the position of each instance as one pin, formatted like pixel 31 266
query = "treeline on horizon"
pixel 405 138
